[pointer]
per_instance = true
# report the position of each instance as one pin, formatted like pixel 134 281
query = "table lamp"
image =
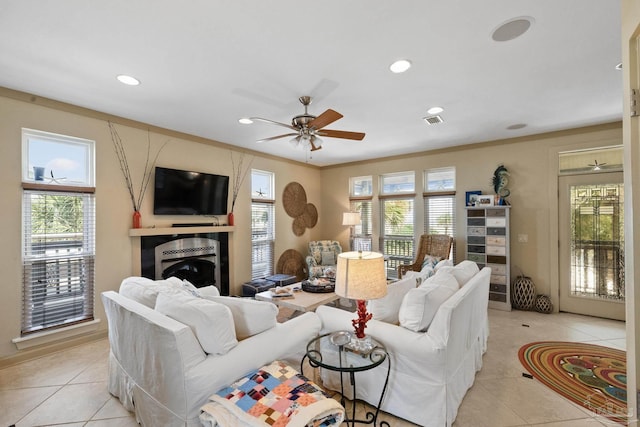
pixel 351 219
pixel 361 276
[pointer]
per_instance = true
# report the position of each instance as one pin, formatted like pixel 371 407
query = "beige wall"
pixel 113 206
pixel 531 162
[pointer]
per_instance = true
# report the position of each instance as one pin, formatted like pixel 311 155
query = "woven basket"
pixel 291 262
pixel 523 296
pixel 294 199
pixel 543 304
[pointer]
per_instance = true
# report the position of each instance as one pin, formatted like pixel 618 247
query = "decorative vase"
pixel 137 219
pixel 524 293
pixel 230 218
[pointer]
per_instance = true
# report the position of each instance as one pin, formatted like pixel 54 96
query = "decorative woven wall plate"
pixel 294 199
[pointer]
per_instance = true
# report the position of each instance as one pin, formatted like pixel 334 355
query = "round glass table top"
pixel 342 351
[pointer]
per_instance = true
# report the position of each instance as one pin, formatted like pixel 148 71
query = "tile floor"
pixel 69 388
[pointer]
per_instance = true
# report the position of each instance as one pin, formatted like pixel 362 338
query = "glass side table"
pixel 331 351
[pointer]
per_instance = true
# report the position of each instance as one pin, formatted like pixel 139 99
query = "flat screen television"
pixel 179 192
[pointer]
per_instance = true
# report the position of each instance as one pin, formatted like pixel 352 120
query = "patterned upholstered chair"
pixel 436 245
pixel 322 258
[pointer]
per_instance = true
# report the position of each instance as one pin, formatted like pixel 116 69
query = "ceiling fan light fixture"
pixel 400 66
pixel 245 121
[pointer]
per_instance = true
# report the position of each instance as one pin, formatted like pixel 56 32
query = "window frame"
pixel 264 202
pixel 73 271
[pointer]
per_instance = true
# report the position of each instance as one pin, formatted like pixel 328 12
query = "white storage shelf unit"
pixel 488 245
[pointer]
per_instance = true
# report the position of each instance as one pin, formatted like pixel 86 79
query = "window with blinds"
pixel 58 208
pixel 397 219
pixel 262 223
pixel 440 202
pixel 58 259
pixel 360 200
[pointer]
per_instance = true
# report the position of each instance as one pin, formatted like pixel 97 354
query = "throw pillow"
pixel 386 308
pixel 211 323
pixel 250 317
pixel 420 305
pixel 209 291
pixel 429 261
pixel 463 272
pixel 443 263
pixel 145 291
pixel 442 279
pixel 328 258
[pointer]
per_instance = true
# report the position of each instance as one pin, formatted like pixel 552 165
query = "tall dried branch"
pixel 239 175
pixel 126 172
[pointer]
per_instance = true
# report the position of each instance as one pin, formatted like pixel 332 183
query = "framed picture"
pixel 485 200
pixel 472 197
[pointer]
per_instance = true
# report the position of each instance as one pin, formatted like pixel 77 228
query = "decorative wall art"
pixel 305 215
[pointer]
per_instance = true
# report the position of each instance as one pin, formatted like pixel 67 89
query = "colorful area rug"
pixel 592 376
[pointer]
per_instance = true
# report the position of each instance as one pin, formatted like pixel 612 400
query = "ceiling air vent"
pixel 433 120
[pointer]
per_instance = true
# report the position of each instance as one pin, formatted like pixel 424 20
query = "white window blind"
pixel 58 259
pixel 262 239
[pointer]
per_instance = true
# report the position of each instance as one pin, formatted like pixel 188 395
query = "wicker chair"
pixel 438 245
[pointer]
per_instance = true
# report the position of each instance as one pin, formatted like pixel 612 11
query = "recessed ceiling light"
pixel 245 121
pixel 619 67
pixel 128 80
pixel 400 66
pixel 512 29
pixel 435 110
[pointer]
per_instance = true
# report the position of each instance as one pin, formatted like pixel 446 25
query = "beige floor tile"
pixel 112 409
pixel 18 403
pixel 531 401
pixel 114 422
pixel 72 403
pixel 480 409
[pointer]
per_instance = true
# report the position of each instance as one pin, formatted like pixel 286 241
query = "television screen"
pixel 179 192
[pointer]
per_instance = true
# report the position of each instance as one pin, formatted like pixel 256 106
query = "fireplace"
pixel 200 258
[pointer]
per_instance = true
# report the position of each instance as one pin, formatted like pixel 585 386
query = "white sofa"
pixel 158 367
pixel 434 365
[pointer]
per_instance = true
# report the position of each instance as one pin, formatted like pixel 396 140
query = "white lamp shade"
pixel 351 218
pixel 361 275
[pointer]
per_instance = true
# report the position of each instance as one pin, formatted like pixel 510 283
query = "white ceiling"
pixel 204 64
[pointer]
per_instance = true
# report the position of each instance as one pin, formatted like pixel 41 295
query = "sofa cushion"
pixel 386 308
pixel 462 272
pixel 250 317
pixel 211 323
pixel 145 291
pixel 420 305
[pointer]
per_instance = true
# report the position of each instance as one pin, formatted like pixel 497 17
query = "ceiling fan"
pixel 596 166
pixel 308 128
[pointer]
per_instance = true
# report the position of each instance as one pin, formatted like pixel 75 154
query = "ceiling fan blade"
pixel 341 134
pixel 276 137
pixel 325 119
pixel 273 122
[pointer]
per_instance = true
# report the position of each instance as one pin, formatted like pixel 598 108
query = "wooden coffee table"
pixel 301 301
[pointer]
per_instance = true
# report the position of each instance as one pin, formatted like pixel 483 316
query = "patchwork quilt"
pixel 274 395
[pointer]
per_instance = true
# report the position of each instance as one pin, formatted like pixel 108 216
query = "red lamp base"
pixel 363 317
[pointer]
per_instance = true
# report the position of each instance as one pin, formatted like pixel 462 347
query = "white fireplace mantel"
pixel 153 231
